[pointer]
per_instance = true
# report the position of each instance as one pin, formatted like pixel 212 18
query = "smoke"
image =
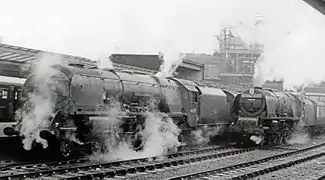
pixel 299 138
pixel 256 139
pixel 170 64
pixel 105 63
pixel 159 136
pixel 35 113
pixel 199 138
pixel 298 58
pixel 293 45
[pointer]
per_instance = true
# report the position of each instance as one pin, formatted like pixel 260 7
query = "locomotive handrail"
pixel 280 118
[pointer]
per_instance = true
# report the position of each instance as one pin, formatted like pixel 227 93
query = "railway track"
pixel 7 164
pixel 117 168
pixel 259 167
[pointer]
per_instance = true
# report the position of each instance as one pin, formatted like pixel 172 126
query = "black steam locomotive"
pixel 83 94
pixel 266 116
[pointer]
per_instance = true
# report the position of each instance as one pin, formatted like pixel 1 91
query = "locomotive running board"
pixel 280 118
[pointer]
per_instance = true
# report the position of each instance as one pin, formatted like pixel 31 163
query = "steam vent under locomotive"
pixel 262 115
pixel 81 97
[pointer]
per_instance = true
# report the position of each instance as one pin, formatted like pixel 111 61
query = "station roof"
pixel 319 5
pixel 26 55
pixel 202 59
pixel 146 61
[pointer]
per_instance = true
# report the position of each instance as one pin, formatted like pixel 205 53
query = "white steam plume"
pixel 160 135
pixel 293 47
pixel 170 64
pixel 105 63
pixel 199 137
pixel 299 58
pixel 300 138
pixel 256 139
pixel 36 111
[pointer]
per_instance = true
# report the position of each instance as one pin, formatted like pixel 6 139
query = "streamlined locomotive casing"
pixel 261 112
pixel 81 94
pixel 139 88
pixel 275 114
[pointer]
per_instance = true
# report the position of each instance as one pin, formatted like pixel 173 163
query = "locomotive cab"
pixel 190 101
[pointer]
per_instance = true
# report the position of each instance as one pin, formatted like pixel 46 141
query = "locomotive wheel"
pixel 65 148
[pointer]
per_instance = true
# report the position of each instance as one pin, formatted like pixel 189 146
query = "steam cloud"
pixel 36 111
pixel 299 138
pixel 299 58
pixel 159 136
pixel 170 64
pixel 105 63
pixel 199 138
pixel 292 46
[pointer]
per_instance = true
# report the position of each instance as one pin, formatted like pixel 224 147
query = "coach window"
pixel 16 95
pixel 4 94
pixel 320 112
pixel 195 97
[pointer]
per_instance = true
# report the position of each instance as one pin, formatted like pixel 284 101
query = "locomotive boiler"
pixel 82 96
pixel 265 116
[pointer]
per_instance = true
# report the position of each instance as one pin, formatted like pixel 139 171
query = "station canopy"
pixel 319 5
pixel 18 54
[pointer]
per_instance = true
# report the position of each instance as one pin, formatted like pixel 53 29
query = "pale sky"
pixel 292 32
pixel 94 28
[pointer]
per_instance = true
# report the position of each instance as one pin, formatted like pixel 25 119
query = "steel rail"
pixel 241 165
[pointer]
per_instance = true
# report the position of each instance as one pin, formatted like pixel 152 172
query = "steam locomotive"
pixel 83 94
pixel 262 115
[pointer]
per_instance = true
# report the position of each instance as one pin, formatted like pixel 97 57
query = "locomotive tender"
pixel 82 94
pixel 263 115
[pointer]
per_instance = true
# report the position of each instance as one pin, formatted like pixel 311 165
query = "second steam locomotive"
pixel 263 115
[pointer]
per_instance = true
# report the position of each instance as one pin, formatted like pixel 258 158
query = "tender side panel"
pixel 230 100
pixel 213 106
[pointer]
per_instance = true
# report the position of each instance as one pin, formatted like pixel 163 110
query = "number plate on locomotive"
pixel 251 96
pixel 247 120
